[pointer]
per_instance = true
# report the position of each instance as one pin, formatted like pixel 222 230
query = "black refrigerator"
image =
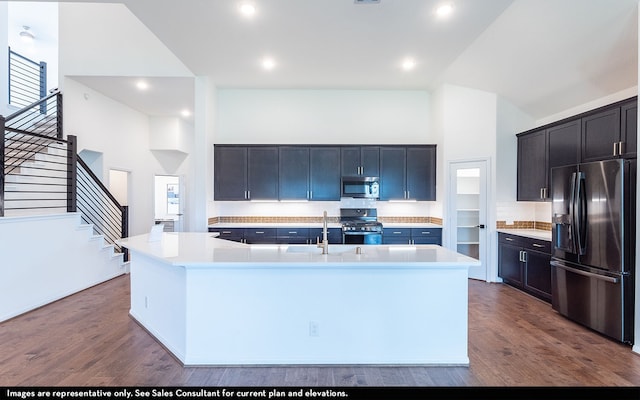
pixel 593 234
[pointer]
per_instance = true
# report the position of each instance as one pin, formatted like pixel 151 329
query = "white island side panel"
pixel 158 301
pixel 213 302
pixel 327 316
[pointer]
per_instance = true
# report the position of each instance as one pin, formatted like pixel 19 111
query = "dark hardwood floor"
pixel 514 340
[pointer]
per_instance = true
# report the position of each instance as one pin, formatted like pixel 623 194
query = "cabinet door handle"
pixel 426 233
pixel 508 239
pixel 620 148
pixel 397 233
pixel 294 232
pixel 615 148
pixel 537 245
pixel 543 193
pixel 259 232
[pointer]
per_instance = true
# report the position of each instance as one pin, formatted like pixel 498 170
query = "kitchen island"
pixel 215 302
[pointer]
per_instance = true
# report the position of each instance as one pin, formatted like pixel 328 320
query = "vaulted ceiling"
pixel 544 56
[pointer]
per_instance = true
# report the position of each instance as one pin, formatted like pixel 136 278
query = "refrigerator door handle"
pixel 581 210
pixel 584 273
pixel 572 211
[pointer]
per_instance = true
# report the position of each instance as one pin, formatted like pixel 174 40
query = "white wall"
pixel 121 134
pixel 468 130
pixel 478 125
pixel 603 101
pixel 66 260
pixel 170 133
pixel 96 39
pixel 201 202
pixel 119 186
pixel 323 116
pixel 4 61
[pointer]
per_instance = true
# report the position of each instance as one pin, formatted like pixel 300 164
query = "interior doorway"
pixel 169 202
pixel 119 188
pixel 119 185
pixel 468 212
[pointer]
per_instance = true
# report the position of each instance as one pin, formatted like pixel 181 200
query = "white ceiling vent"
pixel 366 1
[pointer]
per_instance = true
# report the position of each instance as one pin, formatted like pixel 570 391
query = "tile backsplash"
pixel 523 215
pixel 309 220
pixel 509 215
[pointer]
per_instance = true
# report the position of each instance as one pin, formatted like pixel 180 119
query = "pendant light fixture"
pixel 26 35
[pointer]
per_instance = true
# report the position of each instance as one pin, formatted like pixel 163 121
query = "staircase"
pixel 42 173
pixel 45 185
pixel 32 181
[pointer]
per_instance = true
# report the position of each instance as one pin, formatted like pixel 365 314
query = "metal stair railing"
pixel 40 170
pixel 27 80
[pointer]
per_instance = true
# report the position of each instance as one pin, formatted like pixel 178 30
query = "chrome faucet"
pixel 325 241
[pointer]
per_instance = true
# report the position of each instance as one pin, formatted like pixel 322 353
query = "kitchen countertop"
pixel 530 233
pixel 203 250
pixel 410 225
pixel 214 302
pixel 274 225
pixel 315 225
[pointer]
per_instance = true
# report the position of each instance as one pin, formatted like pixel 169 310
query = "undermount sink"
pixel 314 249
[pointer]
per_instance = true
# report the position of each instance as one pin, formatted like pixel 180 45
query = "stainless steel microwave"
pixel 360 187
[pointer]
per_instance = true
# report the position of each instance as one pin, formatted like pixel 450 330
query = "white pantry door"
pixel 468 212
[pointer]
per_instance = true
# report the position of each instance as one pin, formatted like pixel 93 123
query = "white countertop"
pixel 530 233
pixel 410 225
pixel 274 225
pixel 316 225
pixel 202 250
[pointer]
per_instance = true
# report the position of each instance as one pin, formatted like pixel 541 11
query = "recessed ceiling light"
pixel 268 63
pixel 185 113
pixel 247 9
pixel 142 85
pixel 408 64
pixel 444 10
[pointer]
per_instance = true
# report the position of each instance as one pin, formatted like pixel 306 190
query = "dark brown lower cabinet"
pixel 524 264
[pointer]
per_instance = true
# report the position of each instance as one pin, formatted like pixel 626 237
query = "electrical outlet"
pixel 314 329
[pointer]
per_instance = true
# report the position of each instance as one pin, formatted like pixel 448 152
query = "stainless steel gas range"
pixel 360 226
